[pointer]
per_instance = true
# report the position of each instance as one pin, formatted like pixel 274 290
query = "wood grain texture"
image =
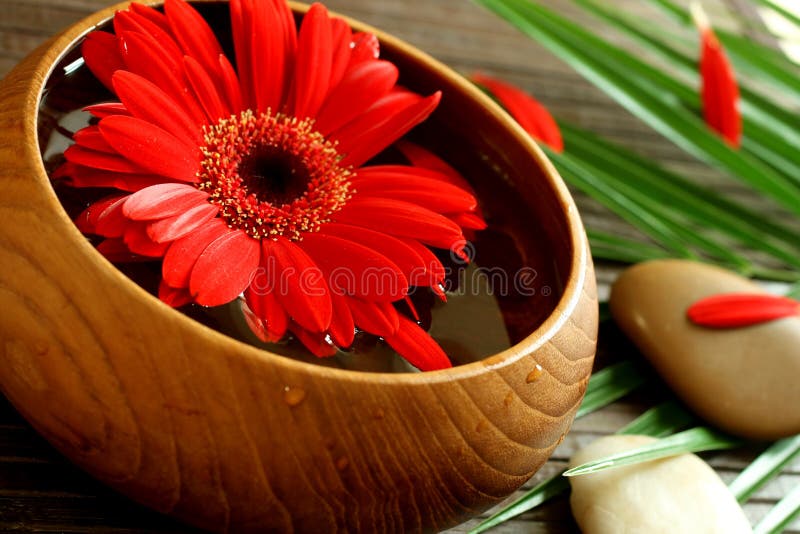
pixel 227 437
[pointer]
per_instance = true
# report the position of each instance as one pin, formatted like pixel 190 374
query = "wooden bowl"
pixel 232 438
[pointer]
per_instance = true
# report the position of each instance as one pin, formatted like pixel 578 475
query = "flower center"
pixel 272 175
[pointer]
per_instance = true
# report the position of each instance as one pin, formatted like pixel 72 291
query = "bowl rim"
pixel 576 281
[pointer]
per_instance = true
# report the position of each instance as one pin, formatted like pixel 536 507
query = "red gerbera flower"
pixel 251 181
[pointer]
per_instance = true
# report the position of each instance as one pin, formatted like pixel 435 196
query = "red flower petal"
pixel 144 100
pixel 156 17
pixel 163 200
pixel 342 327
pixel 435 195
pixel 299 283
pixel 423 159
pixel 268 57
pixel 91 138
pixel 116 251
pixel 102 160
pixel 229 84
pixel 193 34
pixel 341 41
pixel 361 141
pixel 735 310
pixel 184 252
pixel 137 240
pixel 434 274
pixel 312 73
pixel 224 269
pixel 181 224
pixel 273 320
pixel 141 54
pixel 354 269
pixel 378 318
pixel 111 222
pixel 86 221
pixel 527 111
pixel 720 92
pixel 128 21
pixel 402 219
pixel 315 342
pixel 417 347
pixel 151 147
pixel 173 296
pixel 108 108
pixel 365 48
pixel 102 56
pixel 360 88
pixel 406 258
pixel 204 87
pixel 80 176
pixel 468 220
pixel 241 17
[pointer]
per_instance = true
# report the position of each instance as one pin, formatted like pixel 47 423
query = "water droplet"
pixel 481 426
pixel 534 375
pixel 293 396
pixel 509 398
pixel 342 463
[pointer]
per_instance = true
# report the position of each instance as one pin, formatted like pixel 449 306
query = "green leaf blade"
pixel 765 467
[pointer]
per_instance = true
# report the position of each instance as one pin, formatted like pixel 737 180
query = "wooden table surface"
pixel 42 492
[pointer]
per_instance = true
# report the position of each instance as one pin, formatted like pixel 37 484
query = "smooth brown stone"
pixel 743 380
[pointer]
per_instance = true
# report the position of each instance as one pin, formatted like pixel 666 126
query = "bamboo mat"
pixel 41 492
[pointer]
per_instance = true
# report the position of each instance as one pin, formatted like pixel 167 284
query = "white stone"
pixel 675 495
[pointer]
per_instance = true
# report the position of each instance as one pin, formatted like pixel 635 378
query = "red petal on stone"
pixel 406 258
pixel 106 109
pixel 354 269
pixel 143 57
pixel 151 147
pixel 417 347
pixel 341 40
pixel 300 286
pixel 175 297
pixel 184 252
pixel 268 57
pixel 380 319
pixel 360 88
pixel 146 101
pixel 267 308
pixel 102 56
pixel 139 242
pixel 102 160
pixel 395 121
pixel 205 89
pixel 163 200
pixel 527 111
pixel 365 48
pixel 181 224
pixel 342 327
pixel 193 34
pixel 224 269
pixel 402 219
pixel 126 21
pixel 313 63
pixel 229 85
pixel 91 138
pixel 720 91
pixel 736 310
pixel 315 342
